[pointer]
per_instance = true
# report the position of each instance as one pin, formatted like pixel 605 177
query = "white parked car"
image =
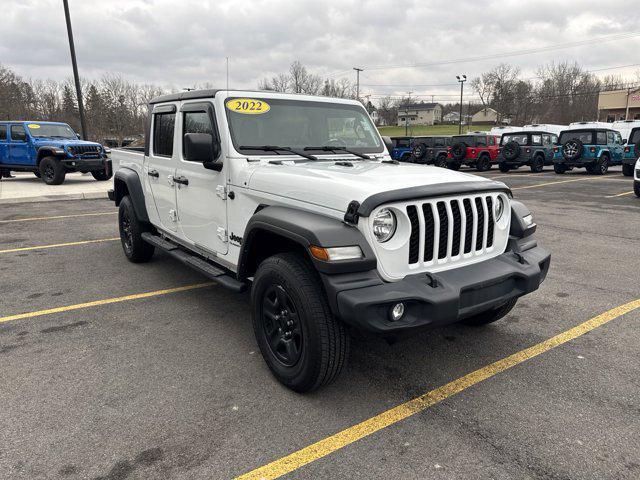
pixel 297 198
pixel 504 129
pixel 545 127
pixel 636 179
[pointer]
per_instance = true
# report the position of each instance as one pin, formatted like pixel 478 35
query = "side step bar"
pixel 195 262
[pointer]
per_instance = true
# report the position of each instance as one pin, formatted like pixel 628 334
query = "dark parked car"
pixel 631 152
pixel 431 150
pixel 532 148
pixel 477 149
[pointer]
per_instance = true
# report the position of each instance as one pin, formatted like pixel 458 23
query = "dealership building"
pixel 615 105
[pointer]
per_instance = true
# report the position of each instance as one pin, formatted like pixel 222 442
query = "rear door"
pixel 202 207
pixel 4 145
pixel 160 166
pixel 19 146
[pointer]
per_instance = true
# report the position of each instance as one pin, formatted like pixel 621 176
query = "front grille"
pixel 85 149
pixel 450 228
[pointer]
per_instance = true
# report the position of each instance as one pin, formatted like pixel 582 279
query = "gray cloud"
pixel 180 43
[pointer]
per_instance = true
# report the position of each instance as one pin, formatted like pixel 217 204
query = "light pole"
pixel 83 126
pixel 358 70
pixel 461 79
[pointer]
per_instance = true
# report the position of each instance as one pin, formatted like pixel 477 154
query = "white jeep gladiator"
pixel 296 198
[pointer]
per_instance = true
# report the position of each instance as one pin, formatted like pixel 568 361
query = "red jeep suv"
pixel 477 149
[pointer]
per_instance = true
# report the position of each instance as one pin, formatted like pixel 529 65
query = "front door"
pixel 160 167
pixel 202 209
pixel 19 147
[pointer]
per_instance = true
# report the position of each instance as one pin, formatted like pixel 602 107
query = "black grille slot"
pixel 480 223
pixel 428 232
pixel 444 230
pixel 457 227
pixel 84 149
pixel 490 226
pixel 414 239
pixel 468 233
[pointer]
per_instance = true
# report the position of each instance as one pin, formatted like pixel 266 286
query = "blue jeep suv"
pixel 595 149
pixel 50 150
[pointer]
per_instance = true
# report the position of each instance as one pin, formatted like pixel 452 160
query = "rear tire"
pixel 101 175
pixel 52 171
pixel 504 168
pixel 601 166
pixel 301 341
pixel 441 161
pixel 560 168
pixel 490 316
pixel 454 165
pixel 537 164
pixel 627 170
pixel 131 229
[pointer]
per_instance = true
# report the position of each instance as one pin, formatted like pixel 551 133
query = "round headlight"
pixel 70 150
pixel 384 225
pixel 498 209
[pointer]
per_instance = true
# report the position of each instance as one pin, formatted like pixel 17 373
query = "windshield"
pixel 50 130
pixel 635 136
pixel 585 136
pixel 520 139
pixel 299 124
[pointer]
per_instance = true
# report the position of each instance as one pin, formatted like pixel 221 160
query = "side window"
pixel 554 139
pixel 546 140
pixel 492 141
pixel 536 140
pixel 611 138
pixel 601 138
pixel 18 133
pixel 196 122
pixel 440 142
pixel 3 133
pixel 481 141
pixel 617 138
pixel 163 126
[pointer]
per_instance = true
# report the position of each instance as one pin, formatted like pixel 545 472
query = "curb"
pixel 55 198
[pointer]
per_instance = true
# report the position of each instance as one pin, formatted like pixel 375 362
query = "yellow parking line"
pixel 55 245
pixel 620 194
pixel 57 217
pixel 554 183
pixel 106 301
pixel 390 417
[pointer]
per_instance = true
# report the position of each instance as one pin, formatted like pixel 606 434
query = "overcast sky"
pixel 179 43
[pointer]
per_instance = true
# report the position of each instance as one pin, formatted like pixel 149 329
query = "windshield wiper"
pixel 330 148
pixel 274 148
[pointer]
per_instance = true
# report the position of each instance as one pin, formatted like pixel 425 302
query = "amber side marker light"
pixel 334 254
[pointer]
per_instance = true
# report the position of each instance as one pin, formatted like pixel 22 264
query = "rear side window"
pixel 601 138
pixel 536 139
pixel 18 133
pixel 163 127
pixel 3 132
pixel 481 141
pixel 440 142
pixel 546 140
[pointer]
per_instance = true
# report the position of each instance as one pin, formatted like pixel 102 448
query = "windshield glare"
pixel 299 124
pixel 46 130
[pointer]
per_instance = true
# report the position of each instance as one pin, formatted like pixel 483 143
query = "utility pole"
pixel 358 70
pixel 76 77
pixel 461 79
pixel 406 115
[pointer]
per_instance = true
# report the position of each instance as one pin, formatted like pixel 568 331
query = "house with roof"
pixel 419 114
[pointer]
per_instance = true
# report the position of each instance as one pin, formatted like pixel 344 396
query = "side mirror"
pixel 201 147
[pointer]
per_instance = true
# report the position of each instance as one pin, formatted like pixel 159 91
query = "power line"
pixel 559 46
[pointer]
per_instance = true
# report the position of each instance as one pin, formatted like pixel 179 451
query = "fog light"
pixel 397 311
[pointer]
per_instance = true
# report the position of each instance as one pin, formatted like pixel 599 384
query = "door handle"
pixel 181 180
pixel 153 173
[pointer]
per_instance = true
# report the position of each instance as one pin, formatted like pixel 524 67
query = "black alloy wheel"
pixel 281 325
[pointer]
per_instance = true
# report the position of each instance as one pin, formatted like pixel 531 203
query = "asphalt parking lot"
pixel 113 370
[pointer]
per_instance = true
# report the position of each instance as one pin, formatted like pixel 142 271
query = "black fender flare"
pixel 49 151
pixel 305 229
pixel 127 180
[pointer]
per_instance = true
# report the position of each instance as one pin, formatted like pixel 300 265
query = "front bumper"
pixel 87 164
pixel 364 301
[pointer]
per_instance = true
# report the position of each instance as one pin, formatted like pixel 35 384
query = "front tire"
pixel 101 175
pixel 627 170
pixel 441 161
pixel 504 168
pixel 301 341
pixel 454 165
pixel 490 316
pixel 483 163
pixel 601 167
pixel 131 229
pixel 52 171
